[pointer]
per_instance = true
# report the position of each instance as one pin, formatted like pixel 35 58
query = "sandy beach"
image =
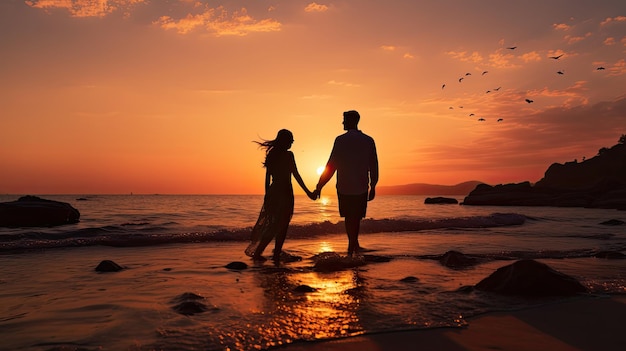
pixel 585 324
pixel 54 300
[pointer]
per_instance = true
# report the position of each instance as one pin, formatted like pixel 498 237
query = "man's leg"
pixel 353 224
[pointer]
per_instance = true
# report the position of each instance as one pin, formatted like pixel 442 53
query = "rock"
pixel 376 258
pixel 455 259
pixel 32 211
pixel 466 289
pixel 189 304
pixel 286 257
pixel 532 279
pixel 237 265
pixel 187 296
pixel 613 222
pixel 611 255
pixel 108 266
pixel 440 201
pixel 599 182
pixel 409 279
pixel 304 289
pixel 189 308
pixel 331 262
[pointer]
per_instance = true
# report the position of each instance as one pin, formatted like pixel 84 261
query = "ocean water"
pixel 174 249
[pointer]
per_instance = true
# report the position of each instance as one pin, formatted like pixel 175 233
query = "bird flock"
pixel 527 100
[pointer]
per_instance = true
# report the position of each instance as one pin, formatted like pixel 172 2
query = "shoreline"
pixel 586 323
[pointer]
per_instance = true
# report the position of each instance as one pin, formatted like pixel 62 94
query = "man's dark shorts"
pixel 352 205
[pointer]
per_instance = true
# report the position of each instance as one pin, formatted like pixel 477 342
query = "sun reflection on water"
pixel 325 201
pixel 329 309
pixel 325 246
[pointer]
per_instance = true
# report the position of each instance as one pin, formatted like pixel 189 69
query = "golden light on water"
pixel 325 246
pixel 330 309
pixel 324 200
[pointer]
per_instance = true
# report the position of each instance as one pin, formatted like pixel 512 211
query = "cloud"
pixel 573 39
pixel 610 20
pixel 609 41
pixel 561 26
pixel 571 96
pixel 217 20
pixel 343 84
pixel 388 47
pixel 87 8
pixel 552 53
pixel 220 22
pixel 408 56
pixel 315 7
pixel 500 60
pixel 183 25
pixel 564 130
pixel 532 56
pixel 618 69
pixel 463 56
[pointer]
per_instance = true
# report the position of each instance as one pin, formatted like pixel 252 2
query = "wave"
pixel 143 234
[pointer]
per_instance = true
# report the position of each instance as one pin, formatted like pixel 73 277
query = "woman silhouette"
pixel 277 209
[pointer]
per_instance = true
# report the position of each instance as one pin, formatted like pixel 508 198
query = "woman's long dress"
pixel 277 208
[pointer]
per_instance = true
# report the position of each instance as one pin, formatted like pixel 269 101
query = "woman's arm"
pixel 296 174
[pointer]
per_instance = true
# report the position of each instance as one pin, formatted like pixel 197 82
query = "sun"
pixel 320 170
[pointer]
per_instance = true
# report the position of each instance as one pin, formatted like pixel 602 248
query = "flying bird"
pixel 450 108
pixel 443 86
pixel 512 47
pixel 498 88
pixel 556 57
pixel 460 79
pixel 600 68
pixel 484 72
pixel 488 91
pixel 529 101
pixel 471 114
pixel 500 120
pixel 560 72
pixel 468 74
pixel 481 120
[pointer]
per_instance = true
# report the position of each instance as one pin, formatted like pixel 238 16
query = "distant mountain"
pixel 428 189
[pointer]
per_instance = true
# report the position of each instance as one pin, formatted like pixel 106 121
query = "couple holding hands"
pixel 354 159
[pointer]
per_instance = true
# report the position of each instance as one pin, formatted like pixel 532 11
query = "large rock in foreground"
pixel 599 182
pixel 32 211
pixel 530 278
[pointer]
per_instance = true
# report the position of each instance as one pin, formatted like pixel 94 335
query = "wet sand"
pixel 592 324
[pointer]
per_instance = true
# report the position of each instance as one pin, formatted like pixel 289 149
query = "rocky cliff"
pixel 599 182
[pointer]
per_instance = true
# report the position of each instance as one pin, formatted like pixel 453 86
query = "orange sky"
pixel 143 96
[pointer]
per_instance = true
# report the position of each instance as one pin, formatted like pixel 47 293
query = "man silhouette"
pixel 355 159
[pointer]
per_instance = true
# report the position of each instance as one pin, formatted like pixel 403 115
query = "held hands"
pixel 313 195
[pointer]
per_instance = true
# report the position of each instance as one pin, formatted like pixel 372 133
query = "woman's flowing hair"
pixel 283 140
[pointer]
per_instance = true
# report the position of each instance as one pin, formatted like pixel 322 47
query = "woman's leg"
pixel 258 253
pixel 280 240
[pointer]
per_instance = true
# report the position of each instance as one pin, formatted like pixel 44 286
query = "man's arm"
pixel 373 166
pixel 329 170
